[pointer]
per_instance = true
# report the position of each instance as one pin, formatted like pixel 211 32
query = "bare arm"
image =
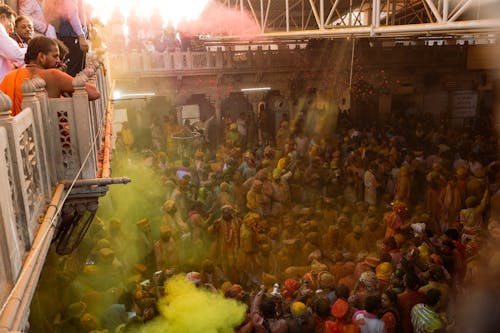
pixel 59 83
pixel 92 91
pixel 484 200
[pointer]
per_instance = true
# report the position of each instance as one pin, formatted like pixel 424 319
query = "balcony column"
pixel 43 100
pixel 219 58
pixel 30 101
pixel 84 133
pixel 5 106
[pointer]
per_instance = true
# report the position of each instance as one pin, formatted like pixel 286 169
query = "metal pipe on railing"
pixel 96 181
pixel 106 161
pixel 12 311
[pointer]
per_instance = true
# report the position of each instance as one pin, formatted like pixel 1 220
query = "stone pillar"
pixel 83 131
pixel 219 58
pixel 48 127
pixel 217 104
pixel 31 101
pixel 259 57
pixel 146 60
pixel 25 169
pixel 11 256
pixel 229 57
pixel 189 59
pixel 178 59
pixel 5 105
pixel 167 60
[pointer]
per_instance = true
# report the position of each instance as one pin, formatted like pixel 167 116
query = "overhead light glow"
pixel 256 89
pixel 170 10
pixel 119 95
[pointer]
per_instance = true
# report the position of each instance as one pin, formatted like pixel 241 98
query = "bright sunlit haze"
pixel 170 10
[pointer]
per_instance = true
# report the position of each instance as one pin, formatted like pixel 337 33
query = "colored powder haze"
pixel 189 309
pixel 192 16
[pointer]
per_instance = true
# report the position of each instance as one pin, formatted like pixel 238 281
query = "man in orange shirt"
pixel 42 59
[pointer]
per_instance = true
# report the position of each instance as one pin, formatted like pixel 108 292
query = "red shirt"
pixel 406 301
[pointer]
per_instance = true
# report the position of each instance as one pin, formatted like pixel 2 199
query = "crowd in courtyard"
pixel 377 229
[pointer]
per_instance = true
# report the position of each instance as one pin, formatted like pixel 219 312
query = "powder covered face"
pixel 24 28
pixel 51 59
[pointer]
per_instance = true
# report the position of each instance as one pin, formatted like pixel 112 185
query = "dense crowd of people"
pixel 381 229
pixel 387 228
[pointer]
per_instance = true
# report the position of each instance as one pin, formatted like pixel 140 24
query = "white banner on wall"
pixel 463 103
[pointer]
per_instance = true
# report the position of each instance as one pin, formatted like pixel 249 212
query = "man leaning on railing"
pixel 42 59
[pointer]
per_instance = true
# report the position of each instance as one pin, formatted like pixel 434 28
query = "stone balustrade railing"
pixel 50 141
pixel 150 61
pixel 138 63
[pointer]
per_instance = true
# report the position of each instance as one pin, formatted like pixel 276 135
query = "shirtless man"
pixel 42 59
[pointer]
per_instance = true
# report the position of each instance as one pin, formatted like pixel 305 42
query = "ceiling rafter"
pixel 322 17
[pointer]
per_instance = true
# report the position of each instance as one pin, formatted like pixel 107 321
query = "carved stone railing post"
pixel 135 63
pixel 211 59
pixel 11 250
pixel 88 75
pixel 104 90
pixel 31 101
pixel 5 106
pixel 189 59
pixel 26 170
pixel 146 60
pixel 47 125
pixel 177 56
pixel 84 132
pixel 259 57
pixel 123 60
pixel 270 57
pixel 229 57
pixel 219 58
pixel 102 86
pixel 167 60
pixel 250 59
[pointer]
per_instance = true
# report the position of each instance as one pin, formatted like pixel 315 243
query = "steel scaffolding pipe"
pixel 472 26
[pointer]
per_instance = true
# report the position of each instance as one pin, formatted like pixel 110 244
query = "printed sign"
pixel 463 103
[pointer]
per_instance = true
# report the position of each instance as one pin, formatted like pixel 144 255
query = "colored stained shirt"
pixel 424 319
pixel 368 323
pixel 11 86
pixel 10 53
pixel 406 301
pixel 33 9
pixel 73 24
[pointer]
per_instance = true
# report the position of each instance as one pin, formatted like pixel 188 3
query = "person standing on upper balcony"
pixel 10 53
pixel 73 32
pixel 23 31
pixel 34 10
pixel 42 59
